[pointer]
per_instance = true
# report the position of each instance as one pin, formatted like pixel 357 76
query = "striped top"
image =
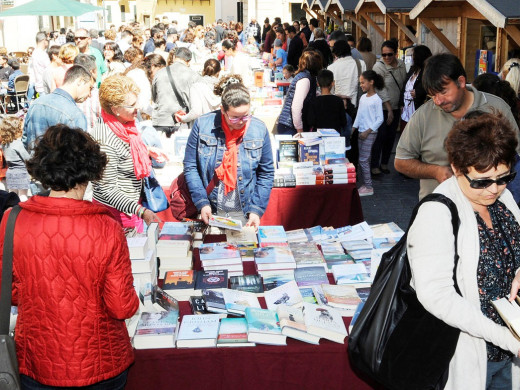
pixel 119 188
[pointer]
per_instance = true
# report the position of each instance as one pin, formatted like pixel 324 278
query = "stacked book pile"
pixel 221 256
pixel 273 253
pixel 174 247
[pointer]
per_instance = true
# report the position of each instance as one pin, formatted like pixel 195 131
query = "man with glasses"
pixel 39 62
pixel 83 41
pixel 59 106
pixel 420 153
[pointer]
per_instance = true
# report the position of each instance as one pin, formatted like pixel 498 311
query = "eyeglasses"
pixel 79 38
pixel 387 54
pixel 132 107
pixel 480 184
pixel 244 118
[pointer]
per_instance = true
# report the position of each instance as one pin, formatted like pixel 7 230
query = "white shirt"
pixel 346 77
pixel 369 114
pixel 39 62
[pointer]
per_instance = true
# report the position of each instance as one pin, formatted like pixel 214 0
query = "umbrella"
pixel 51 7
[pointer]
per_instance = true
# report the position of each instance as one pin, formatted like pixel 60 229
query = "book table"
pixel 301 207
pixel 296 366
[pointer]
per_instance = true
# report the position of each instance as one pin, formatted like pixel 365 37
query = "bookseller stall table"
pixel 301 207
pixel 296 366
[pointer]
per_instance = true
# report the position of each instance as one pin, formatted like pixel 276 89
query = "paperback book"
pixel 350 274
pixel 274 257
pixel 271 235
pixel 225 223
pixel 325 322
pixel 273 279
pixel 198 305
pixel 198 331
pixel 264 327
pixel 342 296
pixel 211 280
pixel 218 253
pixel 248 283
pixel 233 333
pixel 236 301
pixel 287 294
pixel 156 330
pixel 292 323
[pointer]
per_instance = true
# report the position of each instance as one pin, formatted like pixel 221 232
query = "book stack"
pixel 274 258
pixel 180 284
pixel 143 256
pixel 307 254
pixel 339 172
pixel 272 236
pixel 221 256
pixel 173 247
pixel 334 254
pixel 156 330
pixel 307 173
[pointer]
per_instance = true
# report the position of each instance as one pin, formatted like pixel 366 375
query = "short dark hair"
pixel 337 35
pixel 54 50
pixel 229 44
pixel 184 54
pixel 88 61
pixel 391 44
pixel 350 38
pixel 153 31
pixel 314 22
pixel 491 83
pixel 159 42
pixel 155 60
pixel 482 141
pixel 65 157
pixel 15 64
pixel 364 45
pixel 311 60
pixel 341 49
pixel 304 22
pixel 439 70
pixel 77 72
pixel 325 78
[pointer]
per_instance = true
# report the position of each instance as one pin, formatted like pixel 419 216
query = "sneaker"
pixel 365 191
pixel 376 171
pixel 384 169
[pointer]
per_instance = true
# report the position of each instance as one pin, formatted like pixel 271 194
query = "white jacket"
pixel 202 98
pixel 431 255
pixel 346 77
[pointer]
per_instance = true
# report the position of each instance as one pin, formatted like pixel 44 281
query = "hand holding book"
pixel 515 286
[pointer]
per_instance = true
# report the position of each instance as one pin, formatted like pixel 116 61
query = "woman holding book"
pixel 72 277
pixel 481 150
pixel 234 147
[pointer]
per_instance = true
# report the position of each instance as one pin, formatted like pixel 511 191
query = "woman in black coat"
pixel 414 94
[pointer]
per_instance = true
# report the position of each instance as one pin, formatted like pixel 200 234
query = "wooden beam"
pixel 388 27
pixel 372 23
pixel 451 12
pixel 501 49
pixel 439 35
pixel 334 17
pixel 514 33
pixel 309 12
pixel 403 28
pixel 357 23
pixel 462 37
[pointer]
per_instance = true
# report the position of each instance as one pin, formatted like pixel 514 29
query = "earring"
pixel 117 114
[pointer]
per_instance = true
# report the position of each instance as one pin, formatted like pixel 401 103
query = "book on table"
pixel 308 277
pixel 225 223
pixel 287 294
pixel 322 301
pixel 211 280
pixel 273 279
pixel 510 313
pixel 297 235
pixel 165 300
pixel 271 235
pixel 350 273
pixel 247 250
pixel 292 323
pixel 215 302
pixel 180 284
pixel 146 264
pixel 198 305
pixel 246 235
pixel 170 228
pixel 219 253
pixel 138 246
pixel 274 257
pixel 156 330
pixel 343 296
pixel 174 245
pixel 249 283
pixel 307 254
pixel 236 301
pixel 263 327
pixel 233 333
pixel 198 331
pixel 325 322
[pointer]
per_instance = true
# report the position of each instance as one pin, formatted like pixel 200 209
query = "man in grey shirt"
pixel 170 98
pixel 420 153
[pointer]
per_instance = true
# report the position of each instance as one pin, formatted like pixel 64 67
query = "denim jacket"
pixel 49 110
pixel 255 171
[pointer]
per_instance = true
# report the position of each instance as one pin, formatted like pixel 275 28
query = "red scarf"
pixel 227 171
pixel 128 133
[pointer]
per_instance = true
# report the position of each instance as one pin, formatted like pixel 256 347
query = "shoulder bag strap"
pixel 7 272
pixel 175 91
pixel 392 74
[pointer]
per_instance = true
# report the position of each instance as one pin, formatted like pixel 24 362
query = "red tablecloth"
pixel 306 206
pixel 296 366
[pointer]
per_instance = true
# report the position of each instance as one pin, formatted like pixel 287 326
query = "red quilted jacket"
pixel 72 282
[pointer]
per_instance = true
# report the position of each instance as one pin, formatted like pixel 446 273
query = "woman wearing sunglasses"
pixel 230 147
pixel 481 151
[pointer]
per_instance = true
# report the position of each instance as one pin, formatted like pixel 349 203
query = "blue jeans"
pixel 116 383
pixel 499 375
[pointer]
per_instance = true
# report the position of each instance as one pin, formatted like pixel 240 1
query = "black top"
pixel 5 72
pixel 323 47
pixel 327 112
pixel 295 51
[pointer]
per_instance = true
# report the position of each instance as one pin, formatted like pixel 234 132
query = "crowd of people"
pixel 99 105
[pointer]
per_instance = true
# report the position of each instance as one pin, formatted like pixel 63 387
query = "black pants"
pixel 385 139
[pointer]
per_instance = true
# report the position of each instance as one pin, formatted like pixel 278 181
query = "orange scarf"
pixel 227 171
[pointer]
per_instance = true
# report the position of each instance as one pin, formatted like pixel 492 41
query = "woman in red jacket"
pixel 72 277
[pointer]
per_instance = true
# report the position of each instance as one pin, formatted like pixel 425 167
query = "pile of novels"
pixel 221 256
pixel 338 171
pixel 273 252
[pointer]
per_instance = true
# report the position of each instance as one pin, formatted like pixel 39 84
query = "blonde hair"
pixel 511 73
pixel 68 53
pixel 114 90
pixel 110 35
pixel 11 128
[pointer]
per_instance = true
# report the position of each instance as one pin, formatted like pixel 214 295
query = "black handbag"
pixel 154 197
pixel 9 375
pixel 395 340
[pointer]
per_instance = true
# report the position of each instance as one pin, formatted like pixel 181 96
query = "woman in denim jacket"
pixel 235 147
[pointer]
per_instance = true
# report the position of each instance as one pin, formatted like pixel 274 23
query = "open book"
pixel 510 313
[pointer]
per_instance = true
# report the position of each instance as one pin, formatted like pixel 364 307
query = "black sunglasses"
pixel 387 54
pixel 485 183
pixel 80 38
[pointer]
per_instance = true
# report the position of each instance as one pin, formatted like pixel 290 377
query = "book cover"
pixel 334 147
pixel 328 133
pixel 248 283
pixel 341 295
pixel 198 331
pixel 175 228
pixel 174 239
pixel 246 235
pixel 273 255
pixel 273 279
pixel 363 293
pixel 247 251
pixel 211 279
pixel 269 234
pixel 219 252
pixel 297 235
pixel 325 322
pixel 214 300
pixel 152 324
pixel 232 331
pixel 356 245
pixel 262 321
pixel 291 316
pixel 225 223
pixel 288 150
pixel 308 294
pixel 164 300
pixel 287 294
pixel 387 230
pixel 350 273
pixel 307 254
pixel 236 301
pixel 198 305
pixel 309 153
pixel 179 280
pixel 310 276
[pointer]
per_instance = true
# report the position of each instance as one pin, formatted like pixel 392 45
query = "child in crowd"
pixel 327 111
pixel 288 73
pixel 279 57
pixel 17 178
pixel 369 118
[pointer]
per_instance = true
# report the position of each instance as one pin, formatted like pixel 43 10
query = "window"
pixel 123 14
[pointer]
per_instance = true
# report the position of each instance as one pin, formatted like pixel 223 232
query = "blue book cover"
pixel 175 228
pixel 271 234
pixel 310 276
pixel 262 321
pixel 273 254
pixel 232 330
